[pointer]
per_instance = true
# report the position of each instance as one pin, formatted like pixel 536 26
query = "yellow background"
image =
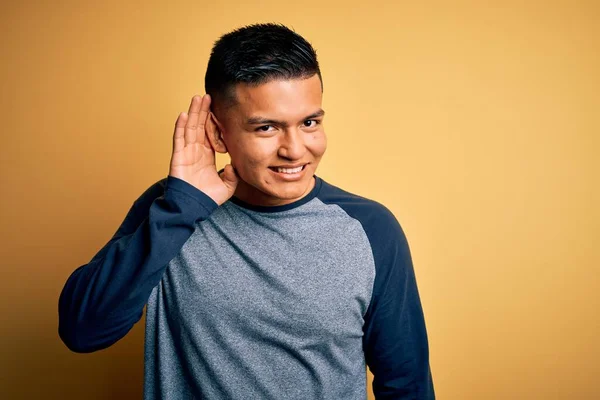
pixel 476 123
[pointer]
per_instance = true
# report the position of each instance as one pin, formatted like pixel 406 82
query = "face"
pixel 275 138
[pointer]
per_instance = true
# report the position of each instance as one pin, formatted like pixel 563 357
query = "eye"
pixel 264 128
pixel 314 123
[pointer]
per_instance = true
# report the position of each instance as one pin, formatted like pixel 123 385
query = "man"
pixel 262 281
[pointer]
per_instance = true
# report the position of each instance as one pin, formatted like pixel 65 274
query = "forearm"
pixel 399 356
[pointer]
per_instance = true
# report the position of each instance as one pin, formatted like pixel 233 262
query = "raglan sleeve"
pixel 102 300
pixel 395 338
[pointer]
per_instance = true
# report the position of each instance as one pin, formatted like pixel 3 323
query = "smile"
pixel 289 172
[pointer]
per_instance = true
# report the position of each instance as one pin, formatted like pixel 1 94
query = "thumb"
pixel 229 177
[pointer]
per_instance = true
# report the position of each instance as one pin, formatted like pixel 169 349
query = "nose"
pixel 292 145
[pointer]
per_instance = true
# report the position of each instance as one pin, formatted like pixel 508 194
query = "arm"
pixel 395 342
pixel 102 300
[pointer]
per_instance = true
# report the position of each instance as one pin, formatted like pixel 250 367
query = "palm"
pixel 193 158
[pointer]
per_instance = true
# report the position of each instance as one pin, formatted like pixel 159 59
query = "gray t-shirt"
pixel 247 302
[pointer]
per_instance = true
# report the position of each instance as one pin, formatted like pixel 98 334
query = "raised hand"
pixel 193 158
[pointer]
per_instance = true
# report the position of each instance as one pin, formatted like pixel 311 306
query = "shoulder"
pixel 386 237
pixel 374 216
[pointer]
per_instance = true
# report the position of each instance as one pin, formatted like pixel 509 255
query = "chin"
pixel 290 195
pixel 289 191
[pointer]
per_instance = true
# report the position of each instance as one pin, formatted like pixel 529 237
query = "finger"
pixel 209 152
pixel 202 118
pixel 209 156
pixel 229 177
pixel 178 134
pixel 229 169
pixel 192 122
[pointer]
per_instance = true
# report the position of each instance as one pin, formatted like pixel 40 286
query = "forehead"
pixel 294 97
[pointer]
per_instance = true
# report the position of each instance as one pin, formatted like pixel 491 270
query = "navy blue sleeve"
pixel 102 300
pixel 395 338
pixel 395 341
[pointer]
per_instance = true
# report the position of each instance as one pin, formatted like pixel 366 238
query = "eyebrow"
pixel 266 121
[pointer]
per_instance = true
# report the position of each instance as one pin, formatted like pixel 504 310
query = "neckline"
pixel 285 207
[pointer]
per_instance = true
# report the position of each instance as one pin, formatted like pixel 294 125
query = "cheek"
pixel 250 154
pixel 318 143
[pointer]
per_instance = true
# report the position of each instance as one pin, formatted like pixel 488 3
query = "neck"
pixel 251 195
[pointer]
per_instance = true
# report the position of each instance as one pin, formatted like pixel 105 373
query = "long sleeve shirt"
pixel 250 302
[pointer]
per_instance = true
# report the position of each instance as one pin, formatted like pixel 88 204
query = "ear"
pixel 214 133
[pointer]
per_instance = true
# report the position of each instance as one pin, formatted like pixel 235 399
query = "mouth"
pixel 288 172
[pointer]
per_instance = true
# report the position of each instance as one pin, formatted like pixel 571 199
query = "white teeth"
pixel 289 170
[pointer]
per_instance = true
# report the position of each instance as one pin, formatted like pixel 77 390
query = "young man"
pixel 262 281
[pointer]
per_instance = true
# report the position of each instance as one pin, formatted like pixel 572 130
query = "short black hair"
pixel 256 54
